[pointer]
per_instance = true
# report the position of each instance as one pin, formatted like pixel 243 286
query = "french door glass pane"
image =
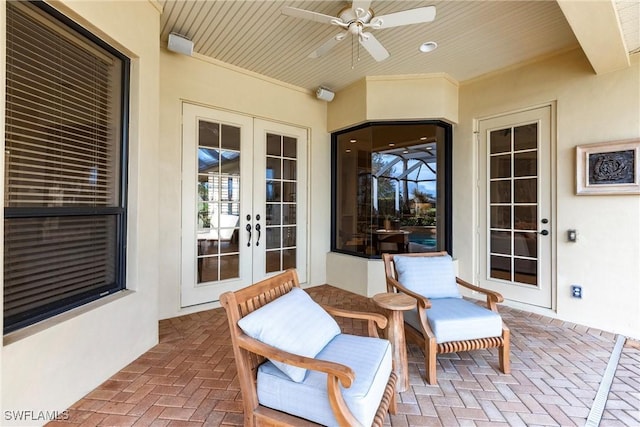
pixel 281 178
pixel 513 196
pixel 500 141
pixel 501 267
pixel 273 214
pixel 501 242
pixel 501 166
pixel 500 191
pixel 527 217
pixel 218 201
pixel 288 214
pixel 289 147
pixel 230 138
pixel 229 165
pixel 209 134
pixel 525 190
pixel 501 217
pixel 525 163
pixel 526 137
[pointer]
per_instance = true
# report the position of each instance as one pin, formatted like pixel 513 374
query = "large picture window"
pixel 65 169
pixel 392 188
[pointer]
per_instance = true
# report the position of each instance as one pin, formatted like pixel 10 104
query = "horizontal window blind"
pixel 64 168
pixel 62 119
pixel 54 259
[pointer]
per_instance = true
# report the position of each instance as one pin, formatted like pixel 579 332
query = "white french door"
pixel 515 213
pixel 243 201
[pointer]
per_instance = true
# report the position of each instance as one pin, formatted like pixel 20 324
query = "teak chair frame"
pixel 250 354
pixel 427 339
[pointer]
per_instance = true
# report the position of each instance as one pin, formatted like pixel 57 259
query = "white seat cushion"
pixel 456 319
pixel 429 276
pixel 294 323
pixel 370 358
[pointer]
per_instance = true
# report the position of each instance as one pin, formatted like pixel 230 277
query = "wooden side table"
pixel 395 304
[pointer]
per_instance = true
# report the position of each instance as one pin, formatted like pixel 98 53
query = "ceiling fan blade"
pixel 328 45
pixel 374 47
pixel 361 4
pixel 406 17
pixel 307 14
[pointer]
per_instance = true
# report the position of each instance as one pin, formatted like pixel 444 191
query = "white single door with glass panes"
pixel 243 201
pixel 515 213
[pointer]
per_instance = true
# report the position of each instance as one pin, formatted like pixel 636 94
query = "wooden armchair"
pixel 343 385
pixel 443 321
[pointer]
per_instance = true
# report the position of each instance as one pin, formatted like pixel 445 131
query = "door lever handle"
pixel 258 230
pixel 248 228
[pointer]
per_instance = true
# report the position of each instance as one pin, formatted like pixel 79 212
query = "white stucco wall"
pixel 50 367
pixel 410 97
pixel 590 108
pixel 213 84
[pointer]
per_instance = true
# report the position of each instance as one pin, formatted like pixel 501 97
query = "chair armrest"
pixel 344 373
pixel 423 305
pixel 423 302
pixel 373 319
pixel 492 297
pixel 335 372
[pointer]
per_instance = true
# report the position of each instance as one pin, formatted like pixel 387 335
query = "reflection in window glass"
pixel 390 188
pixel 218 197
pixel 513 186
pixel 281 180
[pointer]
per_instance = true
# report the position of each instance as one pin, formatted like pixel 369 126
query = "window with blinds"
pixel 65 171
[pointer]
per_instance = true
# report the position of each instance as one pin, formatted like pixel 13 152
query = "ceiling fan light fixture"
pixel 428 47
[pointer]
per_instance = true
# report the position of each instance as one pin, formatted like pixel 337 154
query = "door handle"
pixel 544 232
pixel 258 230
pixel 248 228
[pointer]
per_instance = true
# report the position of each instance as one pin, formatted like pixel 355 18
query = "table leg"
pixel 395 334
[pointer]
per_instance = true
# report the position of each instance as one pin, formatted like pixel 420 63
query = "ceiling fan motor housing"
pixel 348 15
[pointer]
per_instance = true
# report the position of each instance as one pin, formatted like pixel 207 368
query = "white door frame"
pixel 545 296
pixel 252 201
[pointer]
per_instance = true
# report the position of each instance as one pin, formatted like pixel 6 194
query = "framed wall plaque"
pixel 608 168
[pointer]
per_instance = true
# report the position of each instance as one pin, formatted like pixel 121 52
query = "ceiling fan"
pixel 357 19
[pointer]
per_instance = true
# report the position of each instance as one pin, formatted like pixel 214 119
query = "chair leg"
pixel 393 406
pixel 430 352
pixel 503 355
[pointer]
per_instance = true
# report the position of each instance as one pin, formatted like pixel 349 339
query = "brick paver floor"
pixel 189 378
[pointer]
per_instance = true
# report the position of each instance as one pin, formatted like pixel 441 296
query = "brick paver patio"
pixel 189 378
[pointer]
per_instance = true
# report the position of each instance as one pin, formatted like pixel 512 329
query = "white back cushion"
pixel 430 276
pixel 294 323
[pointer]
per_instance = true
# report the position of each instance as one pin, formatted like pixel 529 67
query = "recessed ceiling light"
pixel 348 150
pixel 353 140
pixel 392 144
pixel 428 47
pixel 423 138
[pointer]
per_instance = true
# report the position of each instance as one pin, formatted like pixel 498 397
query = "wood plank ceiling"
pixel 474 38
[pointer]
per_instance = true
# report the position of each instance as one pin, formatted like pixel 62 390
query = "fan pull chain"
pixel 355 51
pixel 353 63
